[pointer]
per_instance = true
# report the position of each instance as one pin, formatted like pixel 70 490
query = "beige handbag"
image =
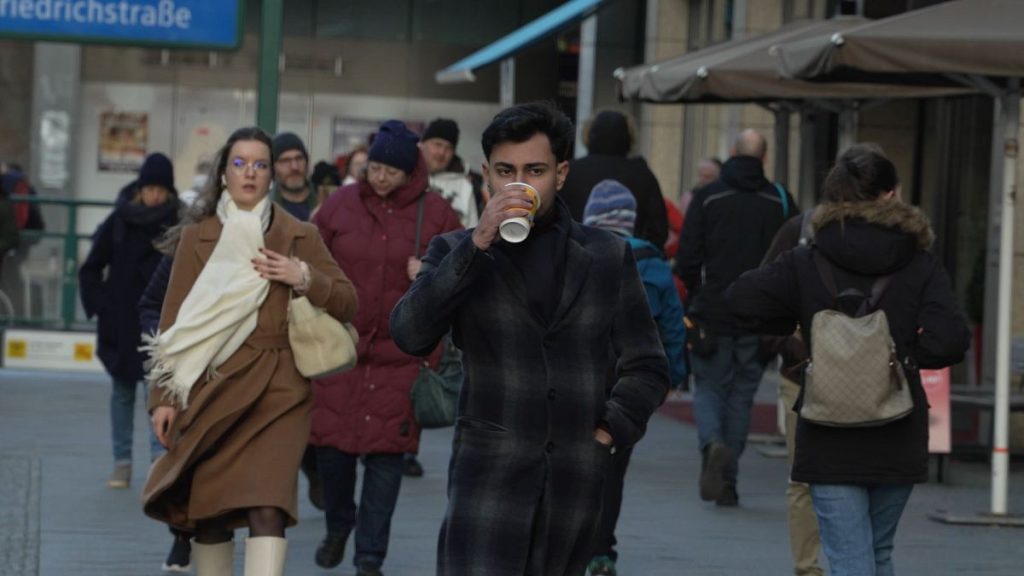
pixel 320 344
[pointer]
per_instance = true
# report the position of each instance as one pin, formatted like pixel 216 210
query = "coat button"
pixel 367 418
pixel 550 447
pixel 552 394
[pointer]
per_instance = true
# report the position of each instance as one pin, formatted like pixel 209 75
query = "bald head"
pixel 750 143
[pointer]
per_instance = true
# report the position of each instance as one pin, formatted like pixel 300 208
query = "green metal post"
pixel 270 76
pixel 69 287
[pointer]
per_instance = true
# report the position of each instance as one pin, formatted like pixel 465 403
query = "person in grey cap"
pixel 292 190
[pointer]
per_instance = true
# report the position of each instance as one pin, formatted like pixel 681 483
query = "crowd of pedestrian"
pixel 569 339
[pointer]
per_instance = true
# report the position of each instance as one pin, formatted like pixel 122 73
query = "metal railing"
pixel 70 238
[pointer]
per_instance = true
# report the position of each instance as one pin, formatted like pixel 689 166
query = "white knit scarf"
pixel 221 309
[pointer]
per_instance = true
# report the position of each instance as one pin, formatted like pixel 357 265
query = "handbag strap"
pixel 419 221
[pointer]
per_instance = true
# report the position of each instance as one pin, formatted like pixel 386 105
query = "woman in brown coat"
pixel 226 398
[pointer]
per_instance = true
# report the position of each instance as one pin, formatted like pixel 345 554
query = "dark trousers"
pixel 604 539
pixel 382 479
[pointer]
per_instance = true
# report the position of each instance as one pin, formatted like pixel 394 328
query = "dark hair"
pixel 206 204
pixel 520 123
pixel 610 132
pixel 861 173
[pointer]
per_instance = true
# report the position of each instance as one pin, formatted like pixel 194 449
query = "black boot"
pixel 331 550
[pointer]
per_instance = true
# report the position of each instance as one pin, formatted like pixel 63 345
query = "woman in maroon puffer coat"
pixel 369 227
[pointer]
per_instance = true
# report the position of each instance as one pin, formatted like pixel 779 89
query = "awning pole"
pixel 585 80
pixel 508 82
pixel 848 120
pixel 782 146
pixel 1010 125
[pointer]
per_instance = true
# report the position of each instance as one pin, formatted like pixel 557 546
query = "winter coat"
pixel 112 278
pixel 368 410
pixel 729 225
pixel 526 474
pixel 152 300
pixel 863 241
pixel 633 173
pixel 239 443
pixel 666 308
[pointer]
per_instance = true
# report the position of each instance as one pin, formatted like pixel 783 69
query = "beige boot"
pixel 264 556
pixel 213 559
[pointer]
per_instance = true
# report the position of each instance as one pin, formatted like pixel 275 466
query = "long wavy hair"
pixel 206 204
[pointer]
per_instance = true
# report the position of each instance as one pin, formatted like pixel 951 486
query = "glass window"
pixel 387 20
pixel 463 22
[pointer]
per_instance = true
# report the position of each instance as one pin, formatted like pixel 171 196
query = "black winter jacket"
pixel 729 225
pixel 633 173
pixel 151 303
pixel 863 241
pixel 112 278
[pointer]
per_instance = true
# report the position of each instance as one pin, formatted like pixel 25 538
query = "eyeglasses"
pixel 258 166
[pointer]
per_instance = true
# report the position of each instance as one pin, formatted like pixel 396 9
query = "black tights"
pixel 265 521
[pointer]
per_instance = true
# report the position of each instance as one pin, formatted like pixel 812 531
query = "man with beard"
pixel 292 189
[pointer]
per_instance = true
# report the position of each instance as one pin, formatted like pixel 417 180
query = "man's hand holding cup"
pixel 508 214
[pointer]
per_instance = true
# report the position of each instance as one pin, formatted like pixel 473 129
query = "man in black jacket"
pixel 610 135
pixel 729 225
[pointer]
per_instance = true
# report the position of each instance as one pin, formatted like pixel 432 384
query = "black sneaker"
pixel 729 497
pixel 180 558
pixel 368 569
pixel 716 458
pixel 331 550
pixel 411 467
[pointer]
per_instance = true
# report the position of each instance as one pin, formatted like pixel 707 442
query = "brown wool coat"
pixel 239 443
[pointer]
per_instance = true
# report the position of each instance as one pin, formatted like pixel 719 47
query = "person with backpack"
pixel 16 217
pixel 868 268
pixel 612 207
pixel 728 227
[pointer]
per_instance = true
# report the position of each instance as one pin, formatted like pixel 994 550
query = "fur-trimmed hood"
pixel 873 237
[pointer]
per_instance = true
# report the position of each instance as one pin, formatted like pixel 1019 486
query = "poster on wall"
pixel 350 133
pixel 124 137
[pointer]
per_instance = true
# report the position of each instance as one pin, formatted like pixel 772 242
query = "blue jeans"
pixel 122 421
pixel 726 383
pixel 858 525
pixel 382 479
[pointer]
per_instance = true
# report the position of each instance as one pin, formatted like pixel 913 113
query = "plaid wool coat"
pixel 526 474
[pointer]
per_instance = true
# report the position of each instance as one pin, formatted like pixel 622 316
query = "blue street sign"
pixel 210 24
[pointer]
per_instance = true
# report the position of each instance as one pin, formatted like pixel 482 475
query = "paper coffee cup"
pixel 516 229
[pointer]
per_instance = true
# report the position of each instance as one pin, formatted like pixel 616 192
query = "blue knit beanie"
pixel 611 207
pixel 395 145
pixel 157 170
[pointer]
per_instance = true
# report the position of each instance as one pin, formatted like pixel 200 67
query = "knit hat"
pixel 609 134
pixel 286 141
pixel 395 145
pixel 325 174
pixel 157 170
pixel 611 207
pixel 444 129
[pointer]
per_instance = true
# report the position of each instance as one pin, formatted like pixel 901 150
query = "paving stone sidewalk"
pixel 55 506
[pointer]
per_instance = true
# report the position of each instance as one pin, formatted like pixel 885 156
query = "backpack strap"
pixel 806 231
pixel 784 198
pixel 870 303
pixel 419 221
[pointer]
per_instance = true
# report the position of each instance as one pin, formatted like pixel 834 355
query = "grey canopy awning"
pixel 747 71
pixel 982 38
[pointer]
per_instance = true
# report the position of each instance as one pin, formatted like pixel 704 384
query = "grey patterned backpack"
pixel 854 378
